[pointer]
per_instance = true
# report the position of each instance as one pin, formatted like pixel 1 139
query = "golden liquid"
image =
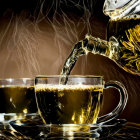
pixel 65 104
pixel 16 99
pixel 127 32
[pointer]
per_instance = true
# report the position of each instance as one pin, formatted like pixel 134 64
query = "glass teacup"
pixel 75 107
pixel 17 100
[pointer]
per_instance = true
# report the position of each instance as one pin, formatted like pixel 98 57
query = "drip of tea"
pixel 123 46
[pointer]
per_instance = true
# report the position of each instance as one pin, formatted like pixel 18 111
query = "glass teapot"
pixel 123 33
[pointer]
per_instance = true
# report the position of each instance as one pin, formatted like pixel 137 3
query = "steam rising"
pixel 19 45
pixel 21 37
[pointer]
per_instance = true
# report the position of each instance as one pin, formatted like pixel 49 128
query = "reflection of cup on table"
pixel 76 105
pixel 17 99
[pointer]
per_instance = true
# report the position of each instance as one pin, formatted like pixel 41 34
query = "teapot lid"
pixel 121 8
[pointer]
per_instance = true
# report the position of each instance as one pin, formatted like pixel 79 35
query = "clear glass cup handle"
pixel 122 103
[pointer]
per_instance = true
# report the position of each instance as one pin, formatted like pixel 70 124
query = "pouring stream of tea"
pixel 89 44
pixel 124 48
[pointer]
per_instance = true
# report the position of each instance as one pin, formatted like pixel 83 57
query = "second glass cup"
pixel 17 100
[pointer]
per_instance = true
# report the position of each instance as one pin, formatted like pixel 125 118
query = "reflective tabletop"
pixel 122 130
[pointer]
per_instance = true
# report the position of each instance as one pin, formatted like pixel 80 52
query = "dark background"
pixel 36 36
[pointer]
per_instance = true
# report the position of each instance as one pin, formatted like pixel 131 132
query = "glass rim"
pixel 70 76
pixel 15 79
pixel 97 125
pixel 9 82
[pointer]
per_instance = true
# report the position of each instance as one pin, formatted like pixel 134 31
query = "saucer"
pixel 6 133
pixel 35 129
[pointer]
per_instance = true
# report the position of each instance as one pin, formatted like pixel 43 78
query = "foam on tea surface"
pixel 40 87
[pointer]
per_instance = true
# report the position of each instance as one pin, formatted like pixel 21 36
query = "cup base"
pixel 70 128
pixel 71 131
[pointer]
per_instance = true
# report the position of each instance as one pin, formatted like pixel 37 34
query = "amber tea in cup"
pixel 69 104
